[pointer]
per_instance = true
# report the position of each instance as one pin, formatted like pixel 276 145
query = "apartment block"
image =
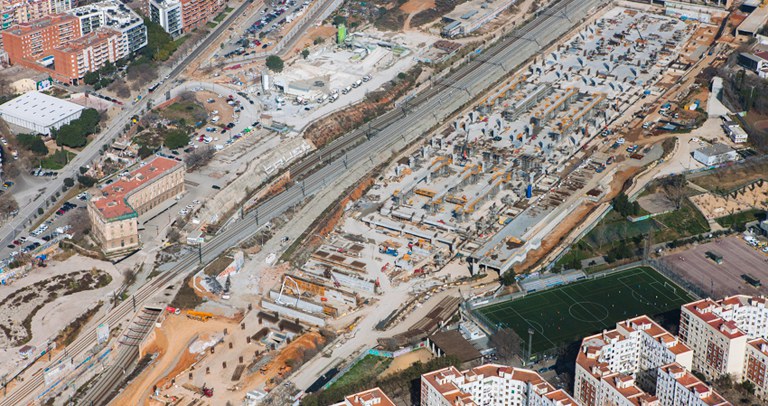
pixel 718 331
pixel 490 384
pixel 677 386
pixel 14 12
pixel 30 43
pixel 179 16
pixel 167 13
pixel 114 212
pixel 87 53
pixel 116 16
pixel 614 362
pixel 371 397
pixel 756 366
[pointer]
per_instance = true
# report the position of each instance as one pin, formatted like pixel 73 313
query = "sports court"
pixel 568 313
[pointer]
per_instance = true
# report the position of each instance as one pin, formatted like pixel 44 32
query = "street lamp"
pixel 530 344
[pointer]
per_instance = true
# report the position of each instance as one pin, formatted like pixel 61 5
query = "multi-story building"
pixel 718 331
pixel 117 16
pixel 114 213
pixel 86 37
pixel 167 13
pixel 28 43
pixel 87 53
pixel 179 16
pixel 611 362
pixel 371 397
pixel 14 12
pixel 490 384
pixel 677 386
pixel 756 366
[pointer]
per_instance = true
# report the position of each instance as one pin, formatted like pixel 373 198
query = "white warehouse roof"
pixel 39 112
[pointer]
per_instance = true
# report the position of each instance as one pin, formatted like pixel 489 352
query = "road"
pixel 426 110
pixel 92 151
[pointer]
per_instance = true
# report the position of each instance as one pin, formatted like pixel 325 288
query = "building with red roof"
pixel 370 397
pixel 611 365
pixel 678 386
pixel 115 209
pixel 718 332
pixel 490 384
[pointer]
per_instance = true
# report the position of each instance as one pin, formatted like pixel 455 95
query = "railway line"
pixel 420 114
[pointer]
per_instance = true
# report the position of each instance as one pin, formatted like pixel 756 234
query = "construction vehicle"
pixel 205 391
pixel 388 251
pixel 202 316
pixel 172 310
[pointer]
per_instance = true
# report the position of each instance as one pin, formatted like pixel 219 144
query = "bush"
pixel 145 151
pixel 69 182
pixel 32 143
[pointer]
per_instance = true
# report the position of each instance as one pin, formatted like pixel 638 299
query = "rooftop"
pixel 39 108
pixel 715 149
pixel 686 379
pixel 88 40
pixel 755 20
pixel 370 397
pixel 40 24
pixel 112 204
pixel 454 344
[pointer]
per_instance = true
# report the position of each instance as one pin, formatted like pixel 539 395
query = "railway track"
pixel 329 152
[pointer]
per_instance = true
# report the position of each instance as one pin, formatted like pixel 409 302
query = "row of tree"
pixel 75 134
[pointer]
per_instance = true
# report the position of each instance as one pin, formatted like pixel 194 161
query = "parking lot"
pixel 722 279
pixel 265 24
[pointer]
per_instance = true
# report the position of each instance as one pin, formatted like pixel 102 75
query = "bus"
pixel 153 87
pixel 751 280
pixel 714 257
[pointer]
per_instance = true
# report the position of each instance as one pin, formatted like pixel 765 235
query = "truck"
pixel 346 90
pixel 333 98
pixel 322 98
pixel 357 83
pixel 388 251
pixel 751 280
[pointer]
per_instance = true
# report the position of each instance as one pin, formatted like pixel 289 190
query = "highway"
pixel 23 219
pixel 424 111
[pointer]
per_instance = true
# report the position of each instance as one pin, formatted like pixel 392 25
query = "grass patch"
pixel 219 264
pixel 211 24
pixel 228 9
pixel 184 112
pixel 57 160
pixel 186 298
pixel 568 313
pixel 724 180
pixel 365 369
pixel 738 219
pixel 219 18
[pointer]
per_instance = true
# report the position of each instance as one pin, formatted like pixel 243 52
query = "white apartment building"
pixel 117 16
pixel 718 331
pixel 167 13
pixel 676 386
pixel 490 384
pixel 621 390
pixel 756 366
pixel 635 349
pixel 371 397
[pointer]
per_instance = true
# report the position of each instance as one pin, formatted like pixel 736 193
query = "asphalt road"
pixel 15 226
pixel 424 111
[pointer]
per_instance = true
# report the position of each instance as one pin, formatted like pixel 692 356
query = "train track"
pixel 301 168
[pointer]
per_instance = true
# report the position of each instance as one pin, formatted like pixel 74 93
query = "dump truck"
pixel 388 251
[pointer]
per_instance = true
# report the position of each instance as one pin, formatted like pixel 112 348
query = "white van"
pixel 215 119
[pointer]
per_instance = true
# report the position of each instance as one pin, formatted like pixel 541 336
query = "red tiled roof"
pixel 113 202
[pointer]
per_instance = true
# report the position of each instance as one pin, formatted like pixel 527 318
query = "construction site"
pixel 494 181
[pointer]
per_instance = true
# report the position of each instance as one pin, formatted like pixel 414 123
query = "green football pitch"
pixel 568 313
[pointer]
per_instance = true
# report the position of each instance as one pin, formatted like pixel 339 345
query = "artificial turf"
pixel 568 313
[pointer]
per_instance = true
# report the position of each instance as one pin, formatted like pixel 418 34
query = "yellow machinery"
pixel 202 316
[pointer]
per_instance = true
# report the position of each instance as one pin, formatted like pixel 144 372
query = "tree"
pixel 83 170
pixel 145 151
pixel 339 20
pixel 87 181
pixel 275 64
pixel 91 78
pixel 32 143
pixel 108 68
pixel 69 182
pixel 674 188
pixel 305 53
pixel 318 40
pixel 7 204
pixel 507 343
pixel 227 284
pixel 176 139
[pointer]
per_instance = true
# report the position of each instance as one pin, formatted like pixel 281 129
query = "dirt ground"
pixel 714 206
pixel 173 356
pixel 414 6
pixel 404 361
pixel 723 279
pixel 307 40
